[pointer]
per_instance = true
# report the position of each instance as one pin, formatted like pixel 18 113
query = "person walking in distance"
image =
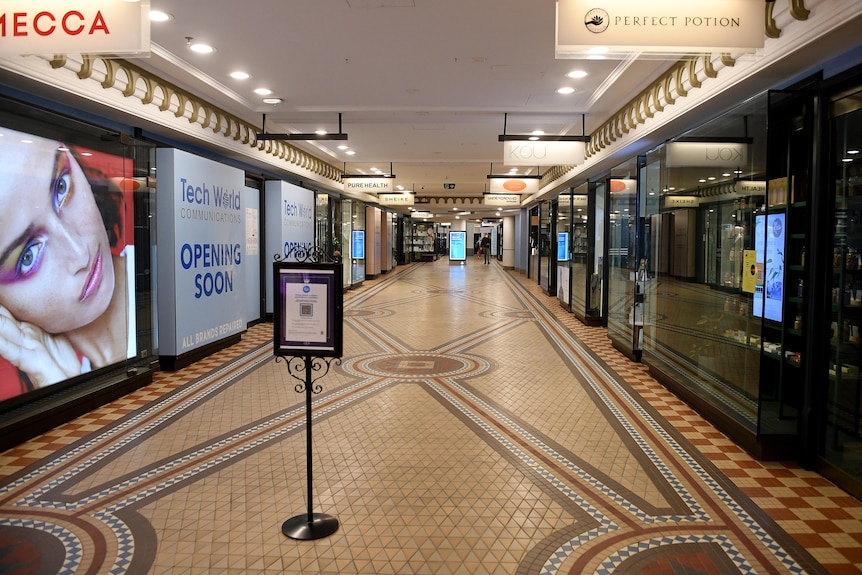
pixel 486 248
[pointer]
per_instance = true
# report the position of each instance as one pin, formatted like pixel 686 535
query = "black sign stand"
pixel 319 281
pixel 310 525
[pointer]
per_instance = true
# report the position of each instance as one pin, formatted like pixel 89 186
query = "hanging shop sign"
pixel 405 199
pixel 105 27
pixel 659 27
pixel 512 185
pixel 623 186
pixel 681 201
pixel 369 185
pixel 706 154
pixel 751 187
pixel 511 200
pixel 543 153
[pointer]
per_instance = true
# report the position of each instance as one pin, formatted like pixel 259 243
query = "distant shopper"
pixel 486 248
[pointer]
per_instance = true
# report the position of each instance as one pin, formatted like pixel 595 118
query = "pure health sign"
pixel 114 27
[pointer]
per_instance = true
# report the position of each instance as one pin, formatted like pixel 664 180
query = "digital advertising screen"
pixel 357 245
pixel 563 246
pixel 67 293
pixel 769 257
pixel 458 246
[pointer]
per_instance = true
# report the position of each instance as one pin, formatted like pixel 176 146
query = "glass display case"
pixel 843 445
pixel 423 242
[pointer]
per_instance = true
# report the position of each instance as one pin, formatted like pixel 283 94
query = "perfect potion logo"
pixel 597 20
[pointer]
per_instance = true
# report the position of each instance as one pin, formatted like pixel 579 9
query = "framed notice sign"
pixel 307 309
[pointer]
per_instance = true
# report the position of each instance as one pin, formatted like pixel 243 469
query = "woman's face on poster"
pixel 56 270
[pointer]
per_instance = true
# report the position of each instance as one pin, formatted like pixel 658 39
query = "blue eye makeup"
pixel 31 255
pixel 62 186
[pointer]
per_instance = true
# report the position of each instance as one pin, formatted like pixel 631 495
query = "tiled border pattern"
pixel 470 405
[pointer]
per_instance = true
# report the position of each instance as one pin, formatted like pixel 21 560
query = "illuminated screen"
pixel 458 245
pixel 563 247
pixel 66 268
pixel 358 245
pixel 769 249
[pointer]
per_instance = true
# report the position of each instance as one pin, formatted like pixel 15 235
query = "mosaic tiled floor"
pixel 472 427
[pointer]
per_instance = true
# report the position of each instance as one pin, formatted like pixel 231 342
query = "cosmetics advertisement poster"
pixel 67 290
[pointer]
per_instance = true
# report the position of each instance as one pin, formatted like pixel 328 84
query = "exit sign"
pixel 448 186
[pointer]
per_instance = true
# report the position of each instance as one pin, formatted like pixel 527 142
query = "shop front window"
pixel 624 316
pixel 702 195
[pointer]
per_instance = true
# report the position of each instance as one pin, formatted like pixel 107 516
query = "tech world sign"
pixel 658 27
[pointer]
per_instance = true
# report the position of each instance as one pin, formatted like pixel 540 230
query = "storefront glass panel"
pixel 702 195
pixel 622 258
pixel 843 439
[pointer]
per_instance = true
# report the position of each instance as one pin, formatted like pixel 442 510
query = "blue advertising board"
pixel 357 247
pixel 458 246
pixel 563 247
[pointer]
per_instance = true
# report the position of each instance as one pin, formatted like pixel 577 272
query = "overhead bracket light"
pixel 263 136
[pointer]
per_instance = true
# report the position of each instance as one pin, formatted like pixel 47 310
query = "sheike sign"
pixel 659 27
pixel 111 27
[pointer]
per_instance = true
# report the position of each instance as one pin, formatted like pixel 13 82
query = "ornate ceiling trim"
pixel 150 90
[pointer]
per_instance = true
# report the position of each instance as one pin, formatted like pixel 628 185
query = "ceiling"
pixel 423 88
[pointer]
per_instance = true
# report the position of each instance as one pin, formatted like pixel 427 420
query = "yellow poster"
pixel 749 271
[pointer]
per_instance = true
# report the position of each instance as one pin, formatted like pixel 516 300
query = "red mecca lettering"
pixel 71 23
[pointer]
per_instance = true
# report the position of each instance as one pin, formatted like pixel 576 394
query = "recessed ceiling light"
pixel 851 152
pixel 565 90
pixel 577 74
pixel 263 91
pixel 240 75
pixel 342 147
pixel 200 48
pixel 159 16
pixel 272 100
pixel 350 153
pixel 320 132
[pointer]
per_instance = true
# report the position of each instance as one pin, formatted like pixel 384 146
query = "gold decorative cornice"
pixel 771 28
pixel 150 90
pixel 798 9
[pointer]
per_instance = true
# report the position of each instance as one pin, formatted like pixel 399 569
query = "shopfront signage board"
pixel 512 200
pixel 660 28
pixel 706 154
pixel 396 199
pixel 368 185
pixel 539 153
pixel 47 27
pixel 513 185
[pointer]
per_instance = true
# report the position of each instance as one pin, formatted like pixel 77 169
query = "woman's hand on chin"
pixel 45 358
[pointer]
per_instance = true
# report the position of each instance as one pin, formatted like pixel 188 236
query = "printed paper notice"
pixel 305 312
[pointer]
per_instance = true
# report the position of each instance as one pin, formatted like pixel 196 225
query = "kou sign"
pixel 526 153
pixel 110 27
